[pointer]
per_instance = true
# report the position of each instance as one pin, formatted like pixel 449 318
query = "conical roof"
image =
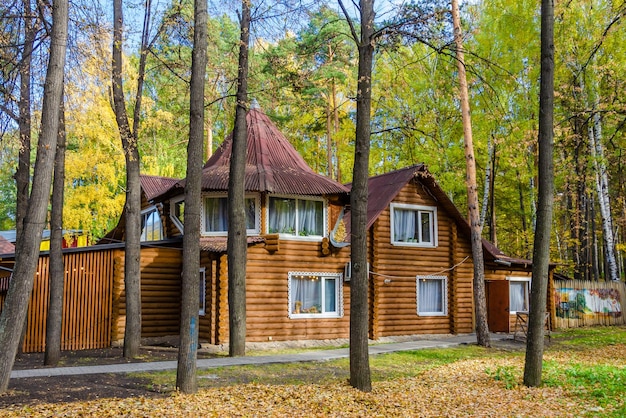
pixel 273 165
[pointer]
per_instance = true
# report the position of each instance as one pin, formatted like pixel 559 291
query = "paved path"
pixel 315 355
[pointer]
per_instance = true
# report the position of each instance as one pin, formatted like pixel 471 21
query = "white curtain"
pixel 216 214
pixel 311 217
pixel 282 215
pixel 430 295
pixel 403 225
pixel 306 292
pixel 517 291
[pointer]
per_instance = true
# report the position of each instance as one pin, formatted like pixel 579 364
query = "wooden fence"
pixel 87 301
pixel 581 303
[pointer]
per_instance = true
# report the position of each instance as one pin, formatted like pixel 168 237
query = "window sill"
pixel 413 244
pixel 315 316
pixel 310 238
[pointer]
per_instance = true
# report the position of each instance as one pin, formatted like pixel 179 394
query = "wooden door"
pixel 497 292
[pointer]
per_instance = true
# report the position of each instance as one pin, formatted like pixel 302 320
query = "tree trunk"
pixel 54 321
pixel 486 186
pixel 132 206
pixel 541 249
pixel 336 132
pixel 360 376
pixel 602 186
pixel 186 379
pixel 480 300
pixel 493 234
pixel 22 176
pixel 237 241
pixel 27 254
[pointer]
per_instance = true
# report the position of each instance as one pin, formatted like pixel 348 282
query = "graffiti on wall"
pixel 576 303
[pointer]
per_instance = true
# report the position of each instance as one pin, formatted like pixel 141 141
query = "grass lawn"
pixel 584 375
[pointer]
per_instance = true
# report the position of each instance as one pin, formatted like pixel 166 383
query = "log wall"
pixel 160 293
pixel 395 269
pixel 267 287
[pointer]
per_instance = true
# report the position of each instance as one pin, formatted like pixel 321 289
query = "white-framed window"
pixel 432 295
pixel 413 225
pixel 151 226
pixel 315 295
pixel 297 217
pixel 519 294
pixel 215 218
pixel 177 212
pixel 202 293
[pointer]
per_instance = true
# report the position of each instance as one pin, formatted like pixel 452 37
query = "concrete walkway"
pixel 314 355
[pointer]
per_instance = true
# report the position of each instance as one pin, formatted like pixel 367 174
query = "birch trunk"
pixel 596 150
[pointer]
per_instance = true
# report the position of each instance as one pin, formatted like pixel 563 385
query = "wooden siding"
pixel 395 269
pixel 267 289
pixel 160 293
pixel 87 302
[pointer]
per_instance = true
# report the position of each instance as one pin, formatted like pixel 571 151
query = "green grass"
pixel 592 336
pixel 602 383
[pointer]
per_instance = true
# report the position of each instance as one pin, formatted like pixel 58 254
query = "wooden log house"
pixel 298 264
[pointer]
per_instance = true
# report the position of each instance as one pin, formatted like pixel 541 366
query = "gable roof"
pixel 272 165
pixel 382 189
pixel 151 187
pixel 154 186
pixel 6 247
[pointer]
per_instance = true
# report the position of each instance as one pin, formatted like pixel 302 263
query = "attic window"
pixel 151 227
pixel 215 220
pixel 413 225
pixel 297 217
pixel 177 212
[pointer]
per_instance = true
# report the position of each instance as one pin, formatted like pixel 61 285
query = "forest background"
pixel 303 75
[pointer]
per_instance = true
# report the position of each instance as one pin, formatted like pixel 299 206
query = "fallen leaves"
pixel 460 389
pixel 466 388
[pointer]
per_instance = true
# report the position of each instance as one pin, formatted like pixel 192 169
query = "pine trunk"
pixel 480 300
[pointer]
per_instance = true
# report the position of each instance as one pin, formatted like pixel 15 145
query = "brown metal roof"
pixel 219 244
pixel 6 247
pixel 383 189
pixel 154 186
pixel 273 164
